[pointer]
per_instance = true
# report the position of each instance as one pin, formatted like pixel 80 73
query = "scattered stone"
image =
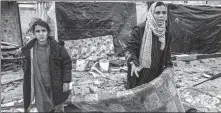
pixel 87 84
pixel 179 85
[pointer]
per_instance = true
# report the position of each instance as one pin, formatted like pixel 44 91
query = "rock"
pixel 77 90
pixel 179 85
pixel 34 109
pixel 85 90
pixel 19 110
pixel 8 104
pixel 93 89
pixel 189 100
pixel 179 80
pixel 219 96
pixel 175 64
pixel 98 83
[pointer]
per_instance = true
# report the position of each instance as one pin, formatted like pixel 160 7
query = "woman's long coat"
pixel 160 59
pixel 60 71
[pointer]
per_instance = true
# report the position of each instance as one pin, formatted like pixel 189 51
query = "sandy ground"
pixel 205 97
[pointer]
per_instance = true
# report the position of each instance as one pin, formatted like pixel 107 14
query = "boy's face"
pixel 41 33
pixel 160 15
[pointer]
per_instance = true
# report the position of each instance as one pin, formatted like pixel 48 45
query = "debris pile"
pixel 84 83
pixel 11 97
pixel 10 57
pixel 11 83
pixel 8 46
pixel 201 101
pixel 205 97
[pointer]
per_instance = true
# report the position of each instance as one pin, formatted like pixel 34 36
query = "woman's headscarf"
pixel 146 47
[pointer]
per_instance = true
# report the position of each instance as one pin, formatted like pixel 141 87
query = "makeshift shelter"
pixel 100 28
pixel 88 28
pixel 195 29
pixel 94 30
pixel 80 20
pixel 187 24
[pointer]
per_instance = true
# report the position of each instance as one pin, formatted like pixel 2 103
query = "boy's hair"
pixel 40 22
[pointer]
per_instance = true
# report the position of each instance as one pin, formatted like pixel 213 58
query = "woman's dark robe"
pixel 160 59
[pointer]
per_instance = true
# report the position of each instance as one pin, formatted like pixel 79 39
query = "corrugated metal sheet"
pixel 213 3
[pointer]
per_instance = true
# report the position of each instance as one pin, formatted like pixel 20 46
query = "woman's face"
pixel 160 15
pixel 41 33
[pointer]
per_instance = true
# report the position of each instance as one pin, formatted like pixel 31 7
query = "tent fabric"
pixel 79 20
pixel 195 29
pixel 159 95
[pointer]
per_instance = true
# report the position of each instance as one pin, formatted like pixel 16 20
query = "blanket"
pixel 159 95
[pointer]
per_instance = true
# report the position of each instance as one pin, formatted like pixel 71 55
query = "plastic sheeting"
pixel 79 20
pixel 195 29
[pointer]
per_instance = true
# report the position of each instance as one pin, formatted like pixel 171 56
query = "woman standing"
pixel 47 70
pixel 148 51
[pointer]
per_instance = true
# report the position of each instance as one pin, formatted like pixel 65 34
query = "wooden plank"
pixel 9 44
pixel 195 57
pixel 208 56
pixel 5 59
pixel 186 57
pixel 14 80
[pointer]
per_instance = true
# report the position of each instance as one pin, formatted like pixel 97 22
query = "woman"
pixel 47 70
pixel 148 51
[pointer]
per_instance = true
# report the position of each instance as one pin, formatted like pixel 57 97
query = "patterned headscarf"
pixel 146 47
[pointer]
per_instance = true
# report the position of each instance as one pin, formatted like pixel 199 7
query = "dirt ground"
pixel 205 97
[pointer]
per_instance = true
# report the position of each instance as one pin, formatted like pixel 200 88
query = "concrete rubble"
pixel 204 97
pixel 10 57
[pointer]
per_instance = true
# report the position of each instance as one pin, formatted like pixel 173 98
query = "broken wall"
pixel 10 23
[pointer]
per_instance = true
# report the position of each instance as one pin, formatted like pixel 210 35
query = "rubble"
pixel 10 57
pixel 200 101
pixel 203 97
pixel 11 86
pixel 87 84
pixel 8 46
pixel 11 76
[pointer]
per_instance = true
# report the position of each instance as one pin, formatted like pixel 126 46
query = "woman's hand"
pixel 65 87
pixel 135 69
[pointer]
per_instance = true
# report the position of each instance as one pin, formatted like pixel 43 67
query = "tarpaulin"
pixel 195 29
pixel 159 95
pixel 79 20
